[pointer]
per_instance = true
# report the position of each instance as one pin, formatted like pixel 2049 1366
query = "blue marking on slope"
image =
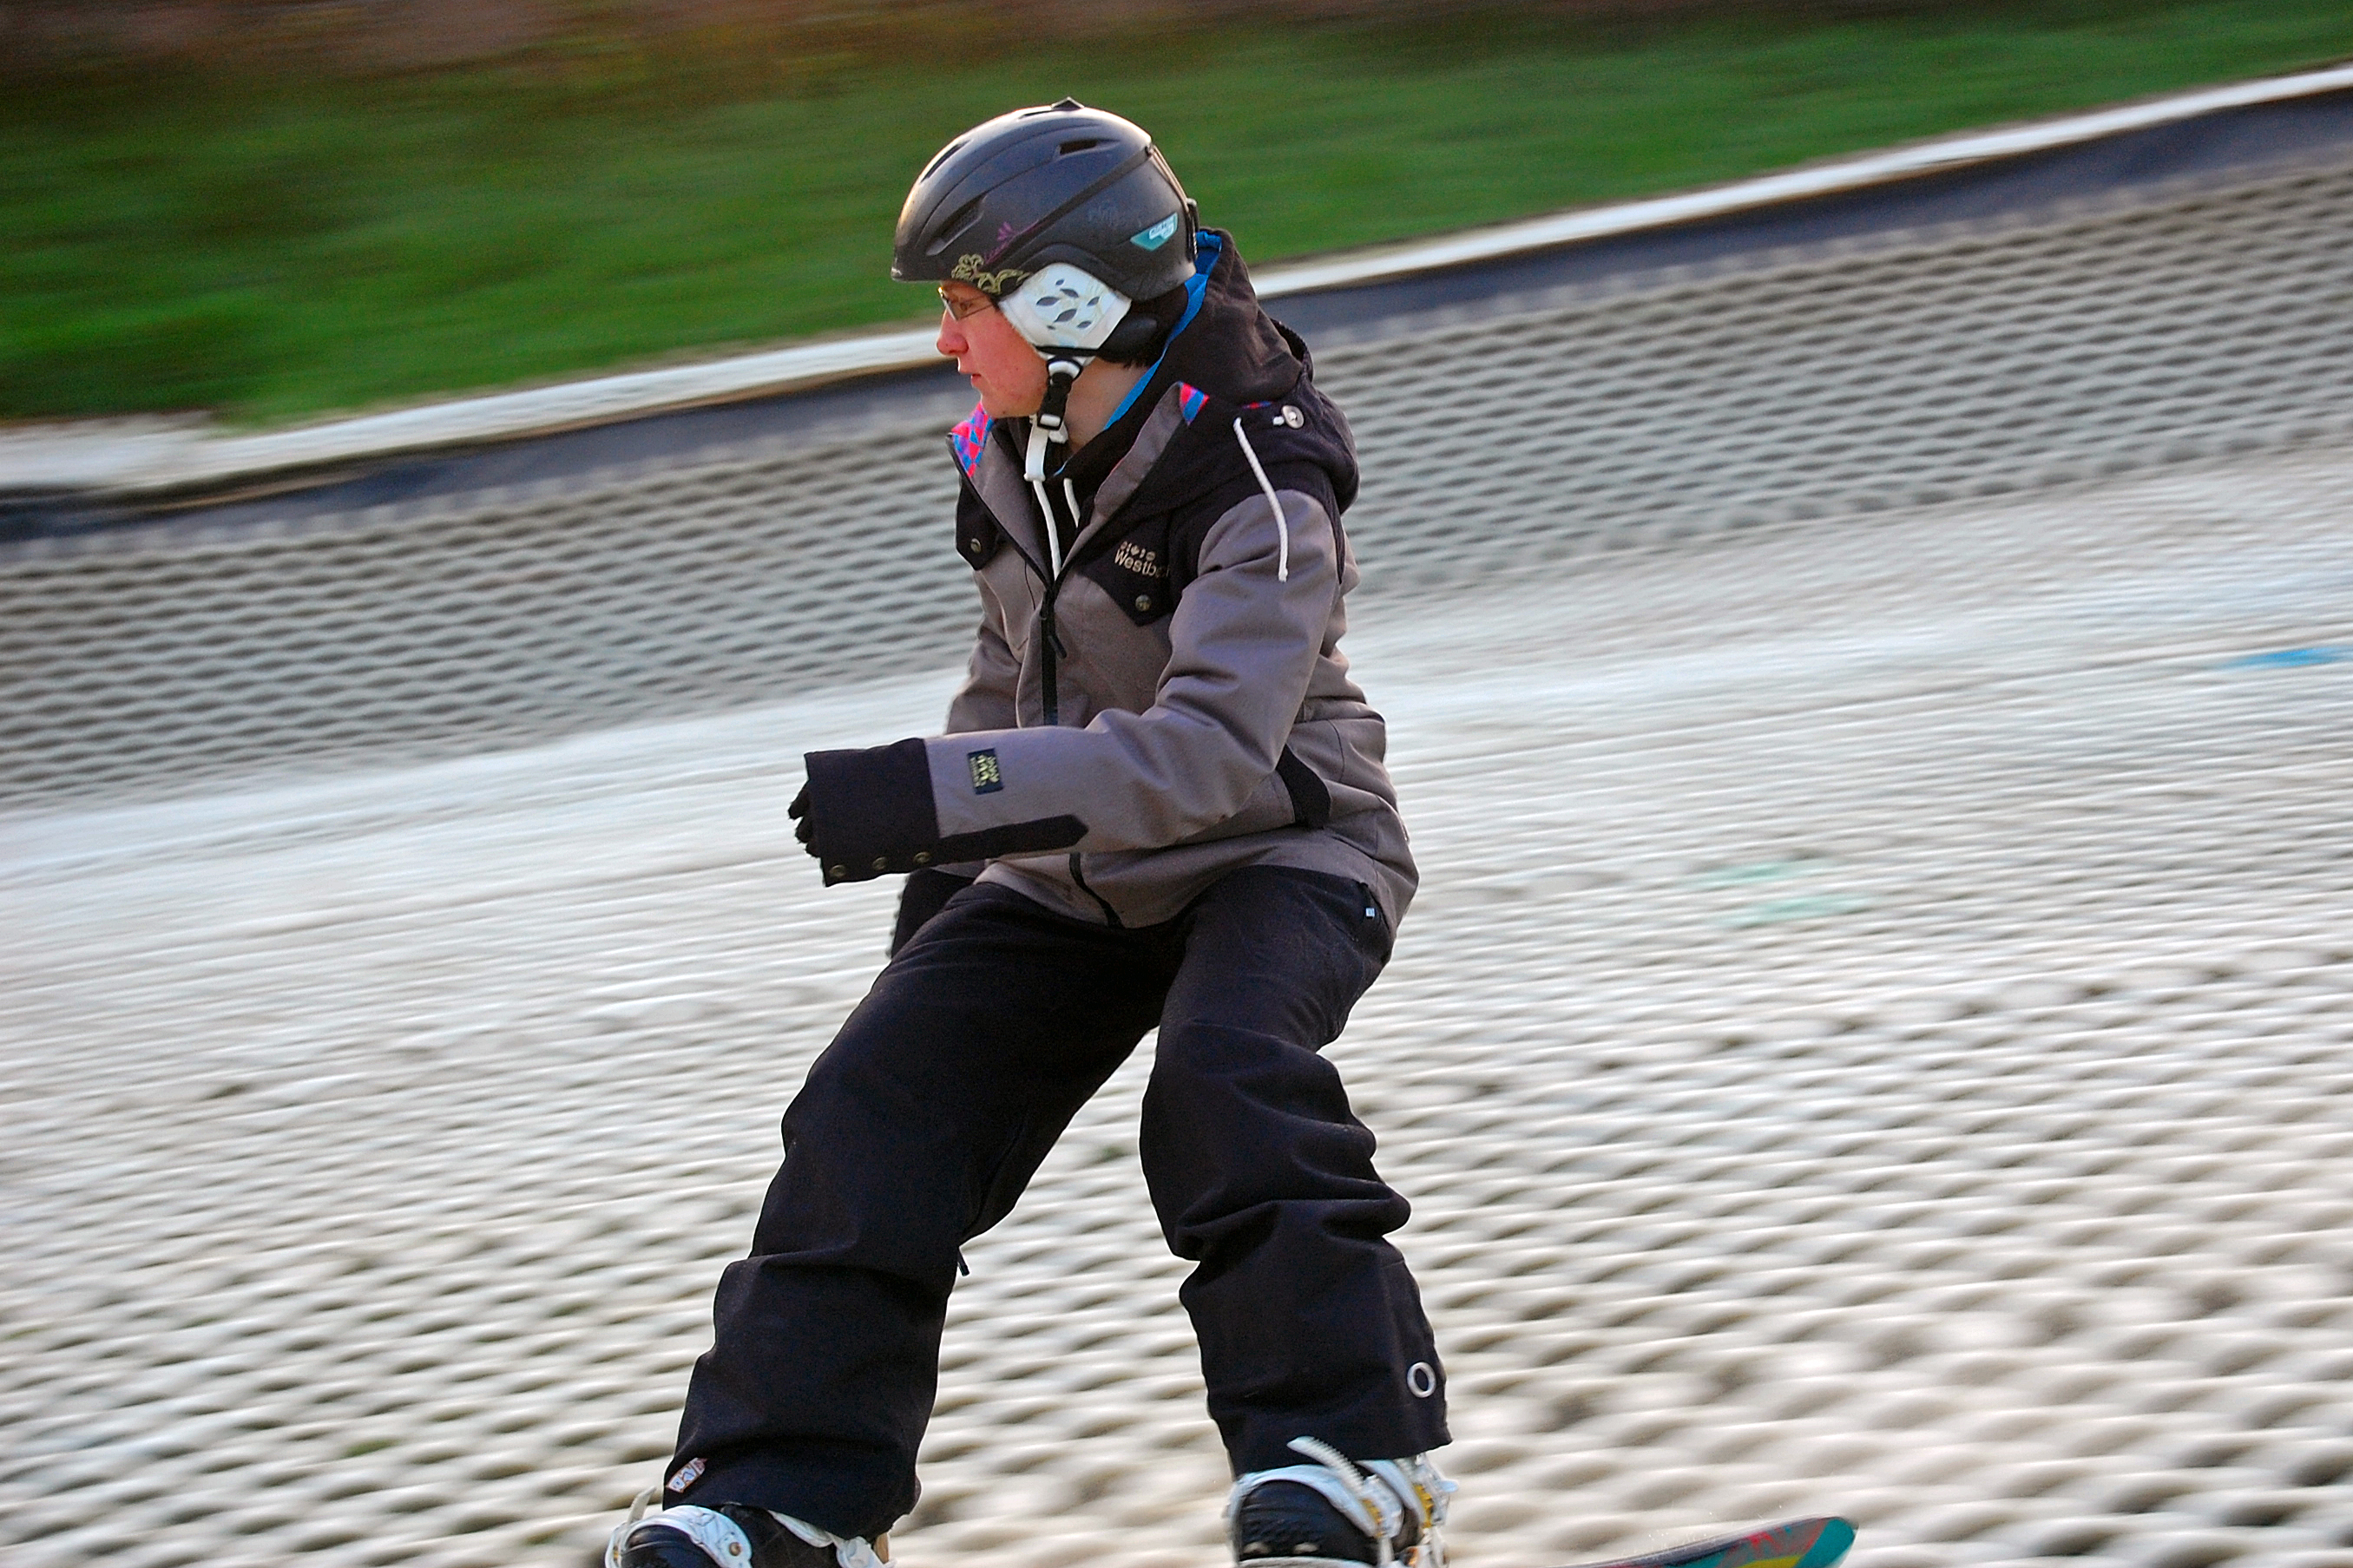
pixel 2292 657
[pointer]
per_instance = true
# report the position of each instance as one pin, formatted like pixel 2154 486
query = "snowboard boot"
pixel 732 1535
pixel 1338 1513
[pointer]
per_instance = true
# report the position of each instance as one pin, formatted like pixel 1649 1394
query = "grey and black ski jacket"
pixel 1174 704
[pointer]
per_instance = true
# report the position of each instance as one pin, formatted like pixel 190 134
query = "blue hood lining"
pixel 1209 247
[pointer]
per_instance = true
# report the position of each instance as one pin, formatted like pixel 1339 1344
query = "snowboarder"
pixel 1160 802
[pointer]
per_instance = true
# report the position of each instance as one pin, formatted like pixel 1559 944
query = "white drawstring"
pixel 1283 561
pixel 1033 460
pixel 1036 479
pixel 1053 534
pixel 1046 511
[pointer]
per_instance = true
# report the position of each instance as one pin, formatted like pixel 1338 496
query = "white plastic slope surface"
pixel 1874 1038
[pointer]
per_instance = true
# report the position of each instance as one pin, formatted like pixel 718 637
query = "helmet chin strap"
pixel 1067 314
pixel 1051 425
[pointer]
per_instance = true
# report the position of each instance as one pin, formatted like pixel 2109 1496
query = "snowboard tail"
pixel 1792 1543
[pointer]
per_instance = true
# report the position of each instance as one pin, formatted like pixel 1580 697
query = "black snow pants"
pixel 920 1124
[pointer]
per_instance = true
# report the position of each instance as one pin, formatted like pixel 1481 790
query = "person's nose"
pixel 951 341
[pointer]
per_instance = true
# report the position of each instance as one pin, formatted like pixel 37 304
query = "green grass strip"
pixel 269 250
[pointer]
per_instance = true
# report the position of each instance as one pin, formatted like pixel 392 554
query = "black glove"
pixel 803 828
pixel 868 812
pixel 864 813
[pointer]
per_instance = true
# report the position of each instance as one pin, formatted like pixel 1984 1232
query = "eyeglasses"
pixel 962 308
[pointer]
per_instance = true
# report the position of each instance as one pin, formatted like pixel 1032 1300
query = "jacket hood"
pixel 1229 347
pixel 1225 358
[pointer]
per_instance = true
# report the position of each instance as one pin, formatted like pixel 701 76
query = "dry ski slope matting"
pixel 1874 1036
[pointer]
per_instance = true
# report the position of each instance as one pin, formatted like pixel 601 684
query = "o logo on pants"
pixel 1421 1380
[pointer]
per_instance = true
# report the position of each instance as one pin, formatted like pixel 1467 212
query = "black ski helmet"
pixel 1060 183
pixel 1068 219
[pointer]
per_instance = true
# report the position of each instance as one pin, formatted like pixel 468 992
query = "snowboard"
pixel 1792 1543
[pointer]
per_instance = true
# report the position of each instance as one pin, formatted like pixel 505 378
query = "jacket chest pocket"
pixel 1135 571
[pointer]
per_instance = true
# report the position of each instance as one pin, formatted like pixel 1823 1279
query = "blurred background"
pixel 1861 603
pixel 274 208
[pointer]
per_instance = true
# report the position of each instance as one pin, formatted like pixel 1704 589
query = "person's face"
pixel 1000 365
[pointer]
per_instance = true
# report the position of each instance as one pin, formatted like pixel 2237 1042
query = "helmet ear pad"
pixel 1132 341
pixel 1142 335
pixel 1064 307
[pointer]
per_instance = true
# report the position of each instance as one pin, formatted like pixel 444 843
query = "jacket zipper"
pixel 1050 647
pixel 1052 651
pixel 1050 638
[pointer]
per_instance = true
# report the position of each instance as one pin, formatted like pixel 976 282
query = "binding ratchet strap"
pixel 848 1549
pixel 1417 1480
pixel 723 1539
pixel 1368 1503
pixel 714 1534
pixel 1376 1497
pixel 638 1505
